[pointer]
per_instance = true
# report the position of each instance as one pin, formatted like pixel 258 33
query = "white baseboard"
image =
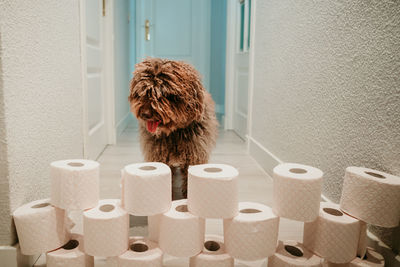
pixel 11 256
pixel 123 123
pixel 263 156
pixel 266 159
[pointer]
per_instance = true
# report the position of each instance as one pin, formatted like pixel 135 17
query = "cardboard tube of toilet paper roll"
pixel 71 254
pixel 41 227
pixel 372 259
pixel 333 235
pixel 213 254
pixel 297 191
pixel 293 253
pixel 253 233
pixel 181 233
pixel 213 190
pixel 369 196
pixel 105 229
pixel 74 184
pixel 154 227
pixel 141 252
pixel 147 188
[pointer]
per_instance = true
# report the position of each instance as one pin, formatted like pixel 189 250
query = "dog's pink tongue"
pixel 152 126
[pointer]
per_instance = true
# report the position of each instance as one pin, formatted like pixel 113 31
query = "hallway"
pixel 254 184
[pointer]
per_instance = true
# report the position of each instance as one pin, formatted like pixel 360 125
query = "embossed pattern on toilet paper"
pixel 213 254
pixel 373 259
pixel 154 227
pixel 147 188
pixel 141 253
pixel 371 198
pixel 297 191
pixel 71 254
pixel 334 238
pixel 291 253
pixel 106 230
pixel 181 233
pixel 213 190
pixel 40 227
pixel 74 184
pixel 251 236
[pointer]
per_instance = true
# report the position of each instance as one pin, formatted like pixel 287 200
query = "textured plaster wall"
pixel 121 62
pixel 40 100
pixel 327 86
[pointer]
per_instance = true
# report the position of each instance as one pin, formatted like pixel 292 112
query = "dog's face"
pixel 166 95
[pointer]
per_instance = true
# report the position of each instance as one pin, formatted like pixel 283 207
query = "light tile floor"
pixel 254 185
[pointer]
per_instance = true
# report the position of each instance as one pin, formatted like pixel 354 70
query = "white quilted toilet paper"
pixel 147 188
pixel 141 253
pixel 292 254
pixel 333 235
pixel 105 229
pixel 213 254
pixel 71 254
pixel 372 259
pixel 371 196
pixel 253 233
pixel 213 190
pixel 41 227
pixel 181 233
pixel 74 184
pixel 362 241
pixel 154 227
pixel 297 191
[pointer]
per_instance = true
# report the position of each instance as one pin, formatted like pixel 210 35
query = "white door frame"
pixel 108 39
pixel 231 46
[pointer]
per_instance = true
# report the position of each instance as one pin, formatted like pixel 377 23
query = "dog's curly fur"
pixel 170 93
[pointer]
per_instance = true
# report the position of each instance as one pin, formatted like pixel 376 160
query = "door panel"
pixel 241 67
pixel 179 30
pixel 96 127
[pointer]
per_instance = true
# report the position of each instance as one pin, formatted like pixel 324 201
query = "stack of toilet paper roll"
pixel 44 225
pixel 333 234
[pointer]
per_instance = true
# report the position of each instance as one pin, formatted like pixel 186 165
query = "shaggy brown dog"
pixel 176 114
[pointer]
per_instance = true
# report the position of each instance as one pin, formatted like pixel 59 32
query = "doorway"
pixel 189 30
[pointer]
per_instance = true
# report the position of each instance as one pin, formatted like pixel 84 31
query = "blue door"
pixel 175 29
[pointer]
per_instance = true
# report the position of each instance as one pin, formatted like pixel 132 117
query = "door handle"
pixel 147 30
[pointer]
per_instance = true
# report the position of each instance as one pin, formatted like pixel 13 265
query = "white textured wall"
pixel 40 100
pixel 121 61
pixel 327 85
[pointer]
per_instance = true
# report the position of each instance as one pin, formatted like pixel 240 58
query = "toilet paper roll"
pixel 147 188
pixel 181 233
pixel 74 184
pixel 297 191
pixel 105 229
pixel 213 190
pixel 371 259
pixel 369 196
pixel 71 254
pixel 154 227
pixel 362 241
pixel 141 253
pixel 292 253
pixel 333 235
pixel 253 233
pixel 213 254
pixel 331 264
pixel 41 227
